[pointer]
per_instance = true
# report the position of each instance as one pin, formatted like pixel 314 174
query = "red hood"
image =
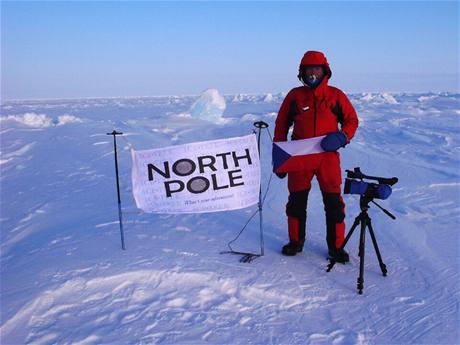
pixel 316 58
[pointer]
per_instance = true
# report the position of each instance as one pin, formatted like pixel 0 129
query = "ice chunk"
pixel 238 98
pixel 67 118
pixel 389 98
pixel 210 106
pixel 268 98
pixel 31 119
pixel 379 98
pixel 41 120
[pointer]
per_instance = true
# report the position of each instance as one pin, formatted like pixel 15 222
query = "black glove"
pixel 281 175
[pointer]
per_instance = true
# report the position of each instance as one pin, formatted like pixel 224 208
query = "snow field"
pixel 65 280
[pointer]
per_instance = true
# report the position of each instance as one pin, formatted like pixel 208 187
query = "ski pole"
pixel 260 125
pixel 115 133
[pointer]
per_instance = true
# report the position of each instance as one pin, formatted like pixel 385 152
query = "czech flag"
pixel 288 156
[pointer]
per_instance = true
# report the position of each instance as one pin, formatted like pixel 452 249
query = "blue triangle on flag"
pixel 279 156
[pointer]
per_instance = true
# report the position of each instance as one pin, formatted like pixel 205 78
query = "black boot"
pixel 339 255
pixel 292 248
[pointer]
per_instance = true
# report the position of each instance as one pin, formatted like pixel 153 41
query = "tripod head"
pixel 364 203
pixel 364 206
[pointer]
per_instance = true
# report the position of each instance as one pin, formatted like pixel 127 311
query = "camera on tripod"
pixel 354 184
pixel 368 191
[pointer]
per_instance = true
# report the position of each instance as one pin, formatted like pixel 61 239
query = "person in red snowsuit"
pixel 317 109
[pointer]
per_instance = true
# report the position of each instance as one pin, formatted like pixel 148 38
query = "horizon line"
pixel 2 102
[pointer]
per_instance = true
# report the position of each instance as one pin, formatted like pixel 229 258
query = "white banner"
pixel 206 176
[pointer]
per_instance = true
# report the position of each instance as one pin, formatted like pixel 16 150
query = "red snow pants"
pixel 326 167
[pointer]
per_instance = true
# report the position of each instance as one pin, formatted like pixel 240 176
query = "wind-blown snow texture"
pixel 65 279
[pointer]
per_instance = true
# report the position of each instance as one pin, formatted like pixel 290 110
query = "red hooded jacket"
pixel 315 112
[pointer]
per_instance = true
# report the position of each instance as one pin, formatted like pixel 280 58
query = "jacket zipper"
pixel 314 121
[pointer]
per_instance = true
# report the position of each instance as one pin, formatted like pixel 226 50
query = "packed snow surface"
pixel 65 279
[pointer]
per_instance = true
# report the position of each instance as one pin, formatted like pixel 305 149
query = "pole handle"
pixel 260 124
pixel 114 132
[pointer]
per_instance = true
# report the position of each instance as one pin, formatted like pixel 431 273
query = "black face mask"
pixel 311 81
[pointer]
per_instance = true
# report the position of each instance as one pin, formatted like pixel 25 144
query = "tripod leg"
pixel 362 243
pixel 355 224
pixel 383 267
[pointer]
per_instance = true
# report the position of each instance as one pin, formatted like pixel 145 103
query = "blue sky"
pixel 98 49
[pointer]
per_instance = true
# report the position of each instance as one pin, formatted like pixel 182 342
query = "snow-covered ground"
pixel 65 279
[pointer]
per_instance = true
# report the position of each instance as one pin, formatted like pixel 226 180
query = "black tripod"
pixel 365 221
